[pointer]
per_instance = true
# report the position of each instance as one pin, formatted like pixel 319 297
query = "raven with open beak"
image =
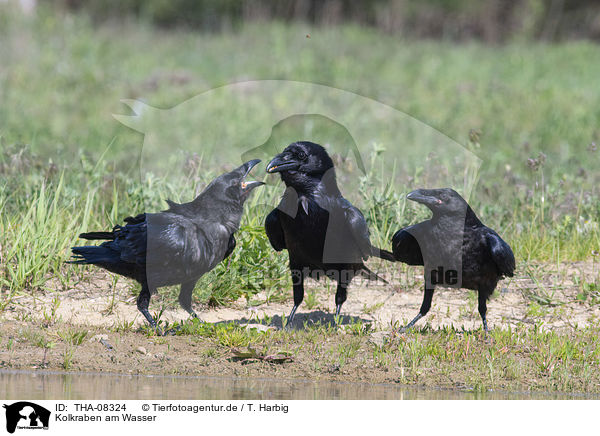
pixel 178 245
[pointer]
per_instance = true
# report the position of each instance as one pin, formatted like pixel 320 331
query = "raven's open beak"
pixel 278 164
pixel 423 196
pixel 250 185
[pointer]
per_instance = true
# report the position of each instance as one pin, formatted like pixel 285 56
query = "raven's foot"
pixel 288 325
pixel 172 331
pixel 410 324
pixel 486 334
pixel 290 319
pixel 337 318
pixel 151 322
pixel 157 330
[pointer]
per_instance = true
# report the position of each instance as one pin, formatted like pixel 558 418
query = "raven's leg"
pixel 425 306
pixel 340 296
pixel 298 286
pixel 143 301
pixel 185 297
pixel 483 308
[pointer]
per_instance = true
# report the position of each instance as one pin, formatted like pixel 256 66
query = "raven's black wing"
pixel 230 247
pixel 140 218
pixel 132 240
pixel 177 246
pixel 180 249
pixel 501 254
pixel 406 248
pixel 124 253
pixel 274 230
pixel 358 228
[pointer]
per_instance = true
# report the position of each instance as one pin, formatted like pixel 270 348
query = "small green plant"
pixel 382 356
pixel 368 310
pixel 266 319
pixel 357 328
pixel 73 336
pixel 38 339
pixel 211 353
pixel 123 326
pixel 68 357
pixel 348 350
pixel 113 302
pixel 232 335
pixel 490 359
pixel 590 293
pixel 310 300
pixel 337 319
pixel 50 317
pixel 536 310
pixel 72 339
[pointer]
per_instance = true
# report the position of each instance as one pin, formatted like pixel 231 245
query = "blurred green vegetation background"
pixel 516 83
pixel 490 20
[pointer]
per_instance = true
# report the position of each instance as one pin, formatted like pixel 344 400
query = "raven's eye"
pixel 301 155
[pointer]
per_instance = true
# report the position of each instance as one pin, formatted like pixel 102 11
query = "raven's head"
pixel 303 157
pixel 223 199
pixel 302 162
pixel 441 201
pixel 232 186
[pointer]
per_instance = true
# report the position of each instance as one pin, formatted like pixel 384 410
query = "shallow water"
pixel 74 386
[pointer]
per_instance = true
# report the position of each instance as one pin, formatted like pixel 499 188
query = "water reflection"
pixel 76 386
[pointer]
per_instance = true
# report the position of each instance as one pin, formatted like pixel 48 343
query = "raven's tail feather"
pixel 98 235
pixel 383 254
pixel 370 275
pixel 92 254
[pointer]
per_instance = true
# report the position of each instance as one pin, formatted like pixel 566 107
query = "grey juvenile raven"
pixel 455 248
pixel 321 230
pixel 176 246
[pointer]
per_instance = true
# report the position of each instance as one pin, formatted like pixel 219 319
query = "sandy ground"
pixel 93 303
pixel 544 295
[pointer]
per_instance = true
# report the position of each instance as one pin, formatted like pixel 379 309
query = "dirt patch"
pixel 42 332
pixel 542 293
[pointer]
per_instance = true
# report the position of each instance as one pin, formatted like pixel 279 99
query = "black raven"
pixel 455 248
pixel 176 246
pixel 322 231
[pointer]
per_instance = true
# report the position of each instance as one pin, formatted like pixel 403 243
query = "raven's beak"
pixel 278 164
pixel 249 165
pixel 249 186
pixel 423 196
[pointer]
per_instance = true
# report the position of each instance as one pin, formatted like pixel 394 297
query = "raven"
pixel 322 231
pixel 176 246
pixel 455 248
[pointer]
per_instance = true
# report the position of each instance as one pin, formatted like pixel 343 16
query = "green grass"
pixel 509 359
pixel 518 359
pixel 72 339
pixel 67 166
